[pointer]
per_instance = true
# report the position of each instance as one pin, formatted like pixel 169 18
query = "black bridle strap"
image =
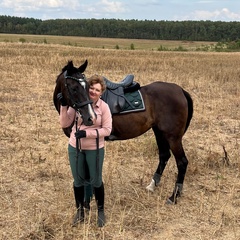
pixel 80 81
pixel 82 104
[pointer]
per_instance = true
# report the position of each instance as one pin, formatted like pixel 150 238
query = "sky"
pixel 169 10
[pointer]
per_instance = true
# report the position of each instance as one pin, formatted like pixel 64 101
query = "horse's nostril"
pixel 89 123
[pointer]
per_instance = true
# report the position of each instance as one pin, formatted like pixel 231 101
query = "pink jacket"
pixel 103 125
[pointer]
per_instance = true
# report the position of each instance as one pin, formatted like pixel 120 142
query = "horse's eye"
pixel 75 90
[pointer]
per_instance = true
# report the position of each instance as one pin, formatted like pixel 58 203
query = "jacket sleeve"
pixel 106 128
pixel 67 116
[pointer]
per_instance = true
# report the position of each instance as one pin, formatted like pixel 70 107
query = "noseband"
pixel 83 83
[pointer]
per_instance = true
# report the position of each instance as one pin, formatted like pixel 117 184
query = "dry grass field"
pixel 36 197
pixel 108 43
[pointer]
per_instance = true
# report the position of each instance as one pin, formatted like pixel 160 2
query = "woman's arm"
pixel 106 128
pixel 67 116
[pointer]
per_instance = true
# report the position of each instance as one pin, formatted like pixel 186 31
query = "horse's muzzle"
pixel 89 121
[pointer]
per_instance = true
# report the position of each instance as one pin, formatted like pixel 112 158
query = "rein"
pixel 78 149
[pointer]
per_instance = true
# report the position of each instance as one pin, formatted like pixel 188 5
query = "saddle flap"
pixel 114 98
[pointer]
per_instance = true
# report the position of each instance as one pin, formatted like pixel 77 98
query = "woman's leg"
pixel 95 165
pixel 88 189
pixel 78 184
pixel 77 166
pixel 99 194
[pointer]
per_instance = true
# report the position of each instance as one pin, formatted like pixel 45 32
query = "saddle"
pixel 126 82
pixel 115 93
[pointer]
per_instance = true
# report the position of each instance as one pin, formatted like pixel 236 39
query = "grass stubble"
pixel 36 196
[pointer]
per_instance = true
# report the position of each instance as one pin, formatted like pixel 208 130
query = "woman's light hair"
pixel 97 79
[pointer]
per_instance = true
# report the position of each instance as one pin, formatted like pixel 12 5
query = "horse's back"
pixel 162 86
pixel 164 93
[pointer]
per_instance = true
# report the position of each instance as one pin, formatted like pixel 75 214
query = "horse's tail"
pixel 190 108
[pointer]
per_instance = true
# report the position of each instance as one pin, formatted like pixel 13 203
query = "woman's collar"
pixel 97 103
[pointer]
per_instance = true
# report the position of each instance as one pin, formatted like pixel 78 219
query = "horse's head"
pixel 74 87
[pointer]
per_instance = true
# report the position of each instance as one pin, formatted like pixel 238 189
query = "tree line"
pixel 132 29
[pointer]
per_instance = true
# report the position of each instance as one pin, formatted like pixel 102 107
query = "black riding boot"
pixel 79 198
pixel 99 195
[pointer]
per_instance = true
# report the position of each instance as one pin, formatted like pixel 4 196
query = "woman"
pixel 91 144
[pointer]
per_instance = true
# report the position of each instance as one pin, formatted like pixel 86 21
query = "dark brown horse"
pixel 70 82
pixel 168 111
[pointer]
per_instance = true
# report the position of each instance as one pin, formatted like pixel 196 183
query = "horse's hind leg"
pixel 164 155
pixel 182 162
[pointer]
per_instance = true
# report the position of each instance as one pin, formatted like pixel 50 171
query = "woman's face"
pixel 95 92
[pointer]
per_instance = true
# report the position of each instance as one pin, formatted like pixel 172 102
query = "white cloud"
pixel 41 9
pixel 104 8
pixel 26 5
pixel 224 14
pixel 68 8
pixel 206 1
pixel 112 6
pixel 50 3
pixel 221 15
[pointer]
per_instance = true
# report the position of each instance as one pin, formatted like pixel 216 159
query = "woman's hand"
pixel 80 134
pixel 61 99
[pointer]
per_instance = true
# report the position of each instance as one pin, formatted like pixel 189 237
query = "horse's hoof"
pixel 151 186
pixel 170 202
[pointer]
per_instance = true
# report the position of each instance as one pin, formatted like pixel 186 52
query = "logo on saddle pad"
pixel 123 97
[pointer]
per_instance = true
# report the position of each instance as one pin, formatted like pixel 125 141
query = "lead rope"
pixel 97 157
pixel 78 149
pixel 77 146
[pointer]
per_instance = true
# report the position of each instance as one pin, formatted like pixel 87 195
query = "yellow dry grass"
pixel 36 195
pixel 107 43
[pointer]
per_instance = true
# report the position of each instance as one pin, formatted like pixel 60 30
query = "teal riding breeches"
pixel 88 160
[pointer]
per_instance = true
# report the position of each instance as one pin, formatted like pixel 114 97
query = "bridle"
pixel 83 83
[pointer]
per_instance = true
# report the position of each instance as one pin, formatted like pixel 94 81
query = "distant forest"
pixel 131 29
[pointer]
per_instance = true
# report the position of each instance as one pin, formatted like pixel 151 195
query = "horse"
pixel 168 112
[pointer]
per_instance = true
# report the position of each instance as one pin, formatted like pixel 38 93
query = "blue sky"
pixel 173 10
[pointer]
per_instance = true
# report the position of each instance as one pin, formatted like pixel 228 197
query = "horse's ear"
pixel 83 67
pixel 69 68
